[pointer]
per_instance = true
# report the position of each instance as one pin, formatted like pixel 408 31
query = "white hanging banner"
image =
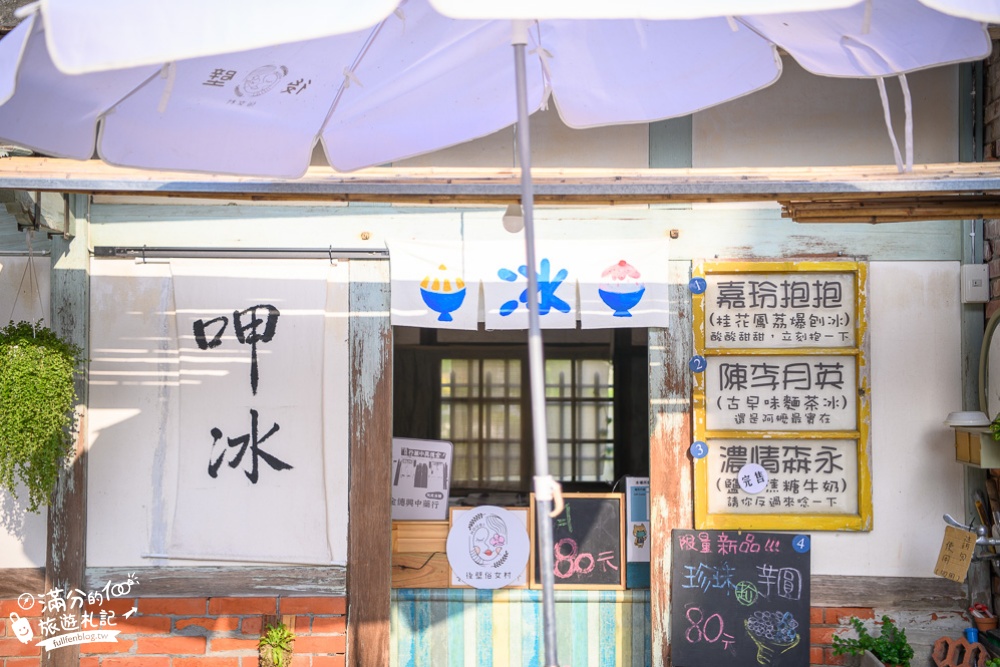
pixel 252 337
pixel 429 287
pixel 502 268
pixel 602 283
pixel 622 283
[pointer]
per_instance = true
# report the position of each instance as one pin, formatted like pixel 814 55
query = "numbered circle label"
pixel 697 364
pixel 699 449
pixel 697 285
pixel 801 543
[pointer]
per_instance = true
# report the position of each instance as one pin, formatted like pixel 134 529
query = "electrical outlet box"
pixel 975 283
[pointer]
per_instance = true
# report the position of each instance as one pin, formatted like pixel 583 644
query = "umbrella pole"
pixel 544 485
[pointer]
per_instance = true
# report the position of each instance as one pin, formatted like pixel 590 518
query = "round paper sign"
pixel 488 547
pixel 752 478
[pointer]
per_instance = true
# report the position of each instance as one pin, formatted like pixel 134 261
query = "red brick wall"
pixel 824 623
pixel 223 632
pixel 197 632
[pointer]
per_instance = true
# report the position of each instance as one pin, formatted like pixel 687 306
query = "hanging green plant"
pixel 37 397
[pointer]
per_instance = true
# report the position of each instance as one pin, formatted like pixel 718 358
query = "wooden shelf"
pixel 975 446
pixel 419 558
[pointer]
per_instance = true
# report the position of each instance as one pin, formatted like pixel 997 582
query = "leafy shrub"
pixel 891 645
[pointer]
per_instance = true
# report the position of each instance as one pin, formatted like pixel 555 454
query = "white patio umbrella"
pixel 250 87
pixel 155 83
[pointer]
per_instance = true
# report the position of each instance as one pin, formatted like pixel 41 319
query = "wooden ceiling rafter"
pixel 871 194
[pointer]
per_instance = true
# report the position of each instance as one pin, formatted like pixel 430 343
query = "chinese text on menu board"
pixel 739 599
pixel 781 393
pixel 780 310
pixel 782 360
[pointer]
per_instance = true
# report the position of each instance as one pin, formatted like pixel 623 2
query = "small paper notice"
pixel 956 553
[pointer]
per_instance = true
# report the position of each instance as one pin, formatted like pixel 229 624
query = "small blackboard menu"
pixel 588 542
pixel 739 599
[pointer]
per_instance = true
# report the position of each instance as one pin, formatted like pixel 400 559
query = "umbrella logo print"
pixel 261 80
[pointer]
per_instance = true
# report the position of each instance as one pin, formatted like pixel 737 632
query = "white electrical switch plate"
pixel 975 283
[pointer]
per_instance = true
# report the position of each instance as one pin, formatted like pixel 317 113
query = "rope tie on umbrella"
pixel 852 46
pixel 168 72
pixel 350 77
pixel 544 55
pixel 907 128
pixel 349 72
pixel 27 10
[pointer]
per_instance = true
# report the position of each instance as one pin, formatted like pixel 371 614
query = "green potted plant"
pixel 890 646
pixel 275 646
pixel 37 419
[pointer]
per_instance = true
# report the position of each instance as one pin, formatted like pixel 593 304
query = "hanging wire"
pixel 29 273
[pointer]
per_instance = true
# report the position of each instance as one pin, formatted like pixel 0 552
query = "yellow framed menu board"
pixel 781 396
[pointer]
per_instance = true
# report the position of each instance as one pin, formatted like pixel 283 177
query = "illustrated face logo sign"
pixel 488 540
pixel 488 546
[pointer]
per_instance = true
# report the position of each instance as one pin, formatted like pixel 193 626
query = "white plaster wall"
pixel 801 120
pixel 553 144
pixel 24 288
pixel 805 119
pixel 24 295
pixel 915 338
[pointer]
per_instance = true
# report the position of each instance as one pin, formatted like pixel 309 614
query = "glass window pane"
pixel 480 406
pixel 558 378
pixel 496 421
pixel 496 376
pixel 460 422
pixel 559 420
pixel 579 399
pixel 588 471
pixel 587 426
pixel 595 378
pixel 557 370
pixel 446 421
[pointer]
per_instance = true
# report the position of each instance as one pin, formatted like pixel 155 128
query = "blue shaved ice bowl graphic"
pixel 621 302
pixel 444 303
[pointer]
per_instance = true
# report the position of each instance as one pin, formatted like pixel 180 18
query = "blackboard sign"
pixel 588 539
pixel 739 599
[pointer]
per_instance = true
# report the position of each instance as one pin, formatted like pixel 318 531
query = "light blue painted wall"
pixel 696 232
pixel 460 627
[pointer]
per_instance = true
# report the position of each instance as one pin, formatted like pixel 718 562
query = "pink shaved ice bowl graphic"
pixel 622 289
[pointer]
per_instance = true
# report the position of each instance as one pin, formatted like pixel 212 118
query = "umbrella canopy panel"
pixel 417 81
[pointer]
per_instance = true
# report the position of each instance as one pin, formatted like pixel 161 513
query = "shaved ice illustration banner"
pixel 601 284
